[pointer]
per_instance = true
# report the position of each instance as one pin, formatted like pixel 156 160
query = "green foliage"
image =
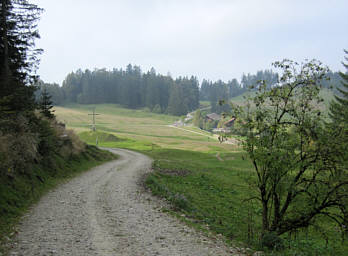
pixel 209 125
pixel 48 140
pixel 18 58
pixel 45 104
pixel 339 139
pixel 272 241
pixel 297 171
pixel 197 119
pixel 132 89
pixel 214 194
pixel 219 90
pixel 184 96
pixel 339 107
pixel 54 90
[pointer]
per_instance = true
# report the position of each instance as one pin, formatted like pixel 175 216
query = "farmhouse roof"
pixel 230 122
pixel 214 116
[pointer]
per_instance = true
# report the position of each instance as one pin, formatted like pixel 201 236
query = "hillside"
pixel 138 125
pixel 326 94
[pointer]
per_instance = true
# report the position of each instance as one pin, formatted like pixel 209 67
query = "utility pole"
pixel 94 114
pixel 93 125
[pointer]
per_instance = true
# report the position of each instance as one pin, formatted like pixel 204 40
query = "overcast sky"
pixel 212 39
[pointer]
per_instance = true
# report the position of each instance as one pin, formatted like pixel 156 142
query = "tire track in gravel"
pixel 106 212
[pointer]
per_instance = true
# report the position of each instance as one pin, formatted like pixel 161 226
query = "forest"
pixel 133 88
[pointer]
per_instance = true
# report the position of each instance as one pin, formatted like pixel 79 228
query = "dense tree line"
pixel 271 78
pixel 130 88
pixel 220 91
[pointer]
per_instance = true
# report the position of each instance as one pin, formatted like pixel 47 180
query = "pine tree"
pixel 338 138
pixel 45 104
pixel 339 108
pixel 18 57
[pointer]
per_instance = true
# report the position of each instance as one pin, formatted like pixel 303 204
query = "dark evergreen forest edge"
pixel 133 88
pixel 36 151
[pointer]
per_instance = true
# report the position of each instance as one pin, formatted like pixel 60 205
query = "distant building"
pixel 230 122
pixel 213 117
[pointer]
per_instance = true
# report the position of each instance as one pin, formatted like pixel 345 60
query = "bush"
pixel 18 145
pixel 272 241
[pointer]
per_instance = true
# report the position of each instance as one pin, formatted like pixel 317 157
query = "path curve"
pixel 106 212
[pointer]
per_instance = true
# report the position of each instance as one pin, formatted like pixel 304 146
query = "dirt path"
pixel 106 212
pixel 205 135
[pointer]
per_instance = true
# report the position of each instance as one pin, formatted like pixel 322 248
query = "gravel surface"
pixel 106 212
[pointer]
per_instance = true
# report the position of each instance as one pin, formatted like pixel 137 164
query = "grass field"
pixel 205 181
pixel 138 125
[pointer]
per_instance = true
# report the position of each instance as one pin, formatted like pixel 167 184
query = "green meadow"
pixel 138 125
pixel 207 183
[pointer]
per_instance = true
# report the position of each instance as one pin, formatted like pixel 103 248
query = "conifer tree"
pixel 18 56
pixel 45 104
pixel 339 107
pixel 338 139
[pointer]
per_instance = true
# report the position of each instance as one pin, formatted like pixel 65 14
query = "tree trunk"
pixel 265 224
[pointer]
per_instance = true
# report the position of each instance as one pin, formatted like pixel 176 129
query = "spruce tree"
pixel 18 56
pixel 45 104
pixel 338 138
pixel 339 107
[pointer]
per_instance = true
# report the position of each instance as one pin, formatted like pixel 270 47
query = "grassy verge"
pixel 19 192
pixel 213 195
pixel 208 191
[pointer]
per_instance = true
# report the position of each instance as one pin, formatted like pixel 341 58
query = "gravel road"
pixel 106 211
